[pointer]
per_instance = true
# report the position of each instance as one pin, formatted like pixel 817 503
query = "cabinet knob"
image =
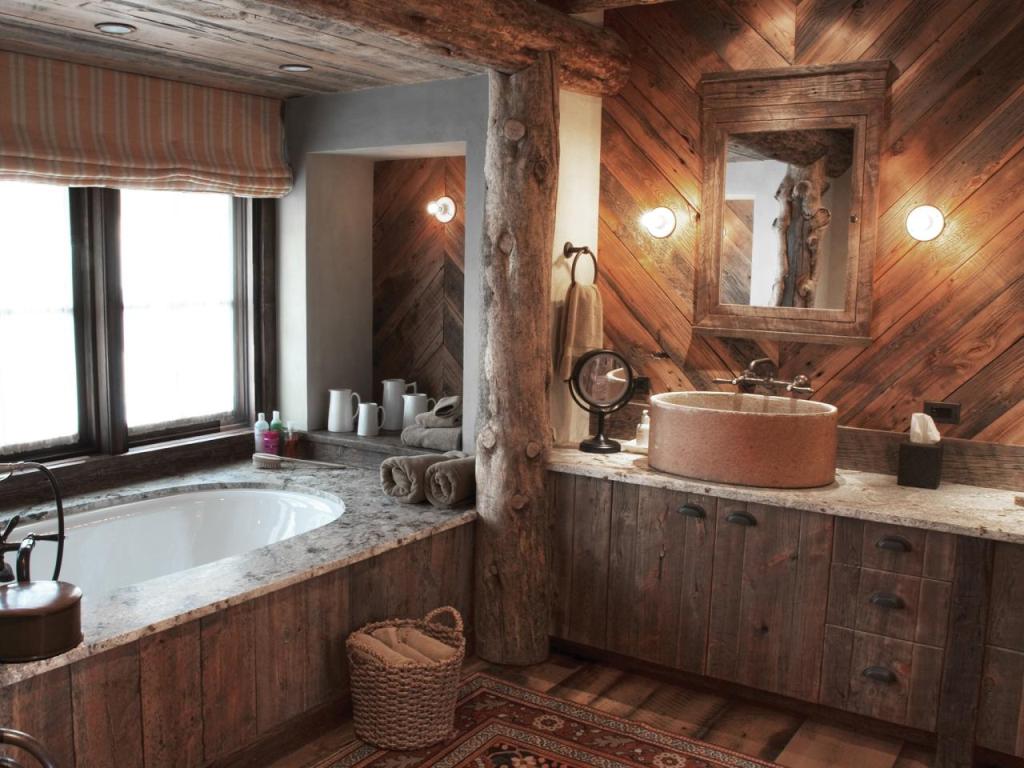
pixel 879 675
pixel 692 510
pixel 741 518
pixel 887 601
pixel 893 544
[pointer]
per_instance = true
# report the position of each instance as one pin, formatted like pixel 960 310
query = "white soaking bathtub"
pixel 131 542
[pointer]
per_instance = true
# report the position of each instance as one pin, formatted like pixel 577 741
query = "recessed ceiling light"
pixel 115 28
pixel 295 67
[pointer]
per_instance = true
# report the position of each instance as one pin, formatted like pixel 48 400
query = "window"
pixel 38 358
pixel 178 288
pixel 125 317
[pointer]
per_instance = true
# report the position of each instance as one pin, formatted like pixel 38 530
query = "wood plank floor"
pixel 753 729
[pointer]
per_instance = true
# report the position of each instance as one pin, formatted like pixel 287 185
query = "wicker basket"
pixel 412 706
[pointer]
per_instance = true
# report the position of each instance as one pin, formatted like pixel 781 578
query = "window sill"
pixel 95 471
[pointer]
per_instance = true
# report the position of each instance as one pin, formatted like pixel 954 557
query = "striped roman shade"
pixel 78 125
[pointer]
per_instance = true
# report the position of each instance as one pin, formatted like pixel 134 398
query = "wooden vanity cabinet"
pixel 888 617
pixel 1001 709
pixel 631 568
pixel 769 595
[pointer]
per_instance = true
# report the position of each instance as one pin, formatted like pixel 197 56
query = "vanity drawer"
pixel 881 677
pixel 894 605
pixel 895 548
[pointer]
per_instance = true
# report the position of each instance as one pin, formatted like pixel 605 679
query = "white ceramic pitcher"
pixel 415 404
pixel 341 411
pixel 393 391
pixel 371 416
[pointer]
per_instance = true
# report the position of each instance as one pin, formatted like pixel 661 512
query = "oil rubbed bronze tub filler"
pixel 38 619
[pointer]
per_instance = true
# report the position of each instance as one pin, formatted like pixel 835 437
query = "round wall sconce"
pixel 443 209
pixel 925 223
pixel 660 222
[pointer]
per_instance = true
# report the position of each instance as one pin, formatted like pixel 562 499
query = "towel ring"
pixel 574 252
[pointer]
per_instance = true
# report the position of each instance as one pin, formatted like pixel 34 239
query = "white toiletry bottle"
pixel 643 430
pixel 261 427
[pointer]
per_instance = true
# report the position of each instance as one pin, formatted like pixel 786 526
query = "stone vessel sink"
pixel 761 440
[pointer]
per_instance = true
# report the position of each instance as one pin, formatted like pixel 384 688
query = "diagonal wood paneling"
pixel 949 315
pixel 418 274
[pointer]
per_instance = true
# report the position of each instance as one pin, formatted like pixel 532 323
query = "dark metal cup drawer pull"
pixel 893 544
pixel 887 601
pixel 879 675
pixel 741 518
pixel 692 510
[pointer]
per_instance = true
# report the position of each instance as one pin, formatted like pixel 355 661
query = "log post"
pixel 521 174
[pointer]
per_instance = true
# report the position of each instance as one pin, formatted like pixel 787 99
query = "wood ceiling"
pixel 351 44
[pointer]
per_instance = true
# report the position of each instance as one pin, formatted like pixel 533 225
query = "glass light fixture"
pixel 925 223
pixel 443 209
pixel 115 28
pixel 295 67
pixel 660 222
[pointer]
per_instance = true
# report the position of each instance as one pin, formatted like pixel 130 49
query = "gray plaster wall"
pixel 325 272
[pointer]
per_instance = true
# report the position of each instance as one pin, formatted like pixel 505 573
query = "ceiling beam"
pixel 585 6
pixel 504 35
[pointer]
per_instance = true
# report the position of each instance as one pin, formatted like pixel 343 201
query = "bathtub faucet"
pixel 24 548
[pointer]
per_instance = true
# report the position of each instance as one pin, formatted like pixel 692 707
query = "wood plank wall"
pixel 949 314
pixel 201 691
pixel 418 274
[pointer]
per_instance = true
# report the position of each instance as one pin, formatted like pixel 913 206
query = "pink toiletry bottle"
pixel 272 442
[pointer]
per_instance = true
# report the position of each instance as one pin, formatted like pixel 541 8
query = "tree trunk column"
pixel 521 174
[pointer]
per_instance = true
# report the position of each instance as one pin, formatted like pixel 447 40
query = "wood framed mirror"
pixel 790 201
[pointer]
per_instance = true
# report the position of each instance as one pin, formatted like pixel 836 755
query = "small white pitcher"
pixel 341 411
pixel 393 391
pixel 371 416
pixel 415 404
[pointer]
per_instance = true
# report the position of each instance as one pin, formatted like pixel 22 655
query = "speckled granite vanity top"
pixel 372 523
pixel 966 510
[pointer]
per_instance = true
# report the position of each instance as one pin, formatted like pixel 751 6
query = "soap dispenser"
pixel 643 430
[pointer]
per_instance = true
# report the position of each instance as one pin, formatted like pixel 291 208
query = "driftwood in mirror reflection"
pixel 800 225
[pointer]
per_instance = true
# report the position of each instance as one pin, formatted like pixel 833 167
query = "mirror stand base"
pixel 600 444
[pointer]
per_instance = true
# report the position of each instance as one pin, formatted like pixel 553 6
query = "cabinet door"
pixel 768 598
pixel 659 579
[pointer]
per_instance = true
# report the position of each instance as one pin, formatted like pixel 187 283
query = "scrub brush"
pixel 271 461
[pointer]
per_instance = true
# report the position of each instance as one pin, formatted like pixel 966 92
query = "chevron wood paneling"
pixel 418 274
pixel 948 315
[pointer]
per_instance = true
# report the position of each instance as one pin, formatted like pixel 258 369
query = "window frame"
pixel 99 328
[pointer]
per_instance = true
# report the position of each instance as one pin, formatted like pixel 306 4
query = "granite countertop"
pixel 965 510
pixel 372 523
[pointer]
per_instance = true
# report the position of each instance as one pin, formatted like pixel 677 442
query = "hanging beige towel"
pixel 451 482
pixel 582 327
pixel 447 413
pixel 403 478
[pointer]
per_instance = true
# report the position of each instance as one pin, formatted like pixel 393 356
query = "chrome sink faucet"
pixel 761 373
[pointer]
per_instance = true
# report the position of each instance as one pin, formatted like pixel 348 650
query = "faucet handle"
pixel 800 384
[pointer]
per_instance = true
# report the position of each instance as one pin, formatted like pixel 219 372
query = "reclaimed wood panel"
pixel 228 644
pixel 418 274
pixel 921 616
pixel 107 711
pixel 41 706
pixel 911 698
pixel 592 505
pixel 949 315
pixel 769 597
pixel 171 692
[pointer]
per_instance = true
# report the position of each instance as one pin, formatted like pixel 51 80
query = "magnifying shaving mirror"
pixel 602 382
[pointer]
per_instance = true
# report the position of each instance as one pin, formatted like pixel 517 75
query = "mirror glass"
pixel 602 380
pixel 786 218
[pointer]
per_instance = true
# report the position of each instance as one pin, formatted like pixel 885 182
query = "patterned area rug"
pixel 504 726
